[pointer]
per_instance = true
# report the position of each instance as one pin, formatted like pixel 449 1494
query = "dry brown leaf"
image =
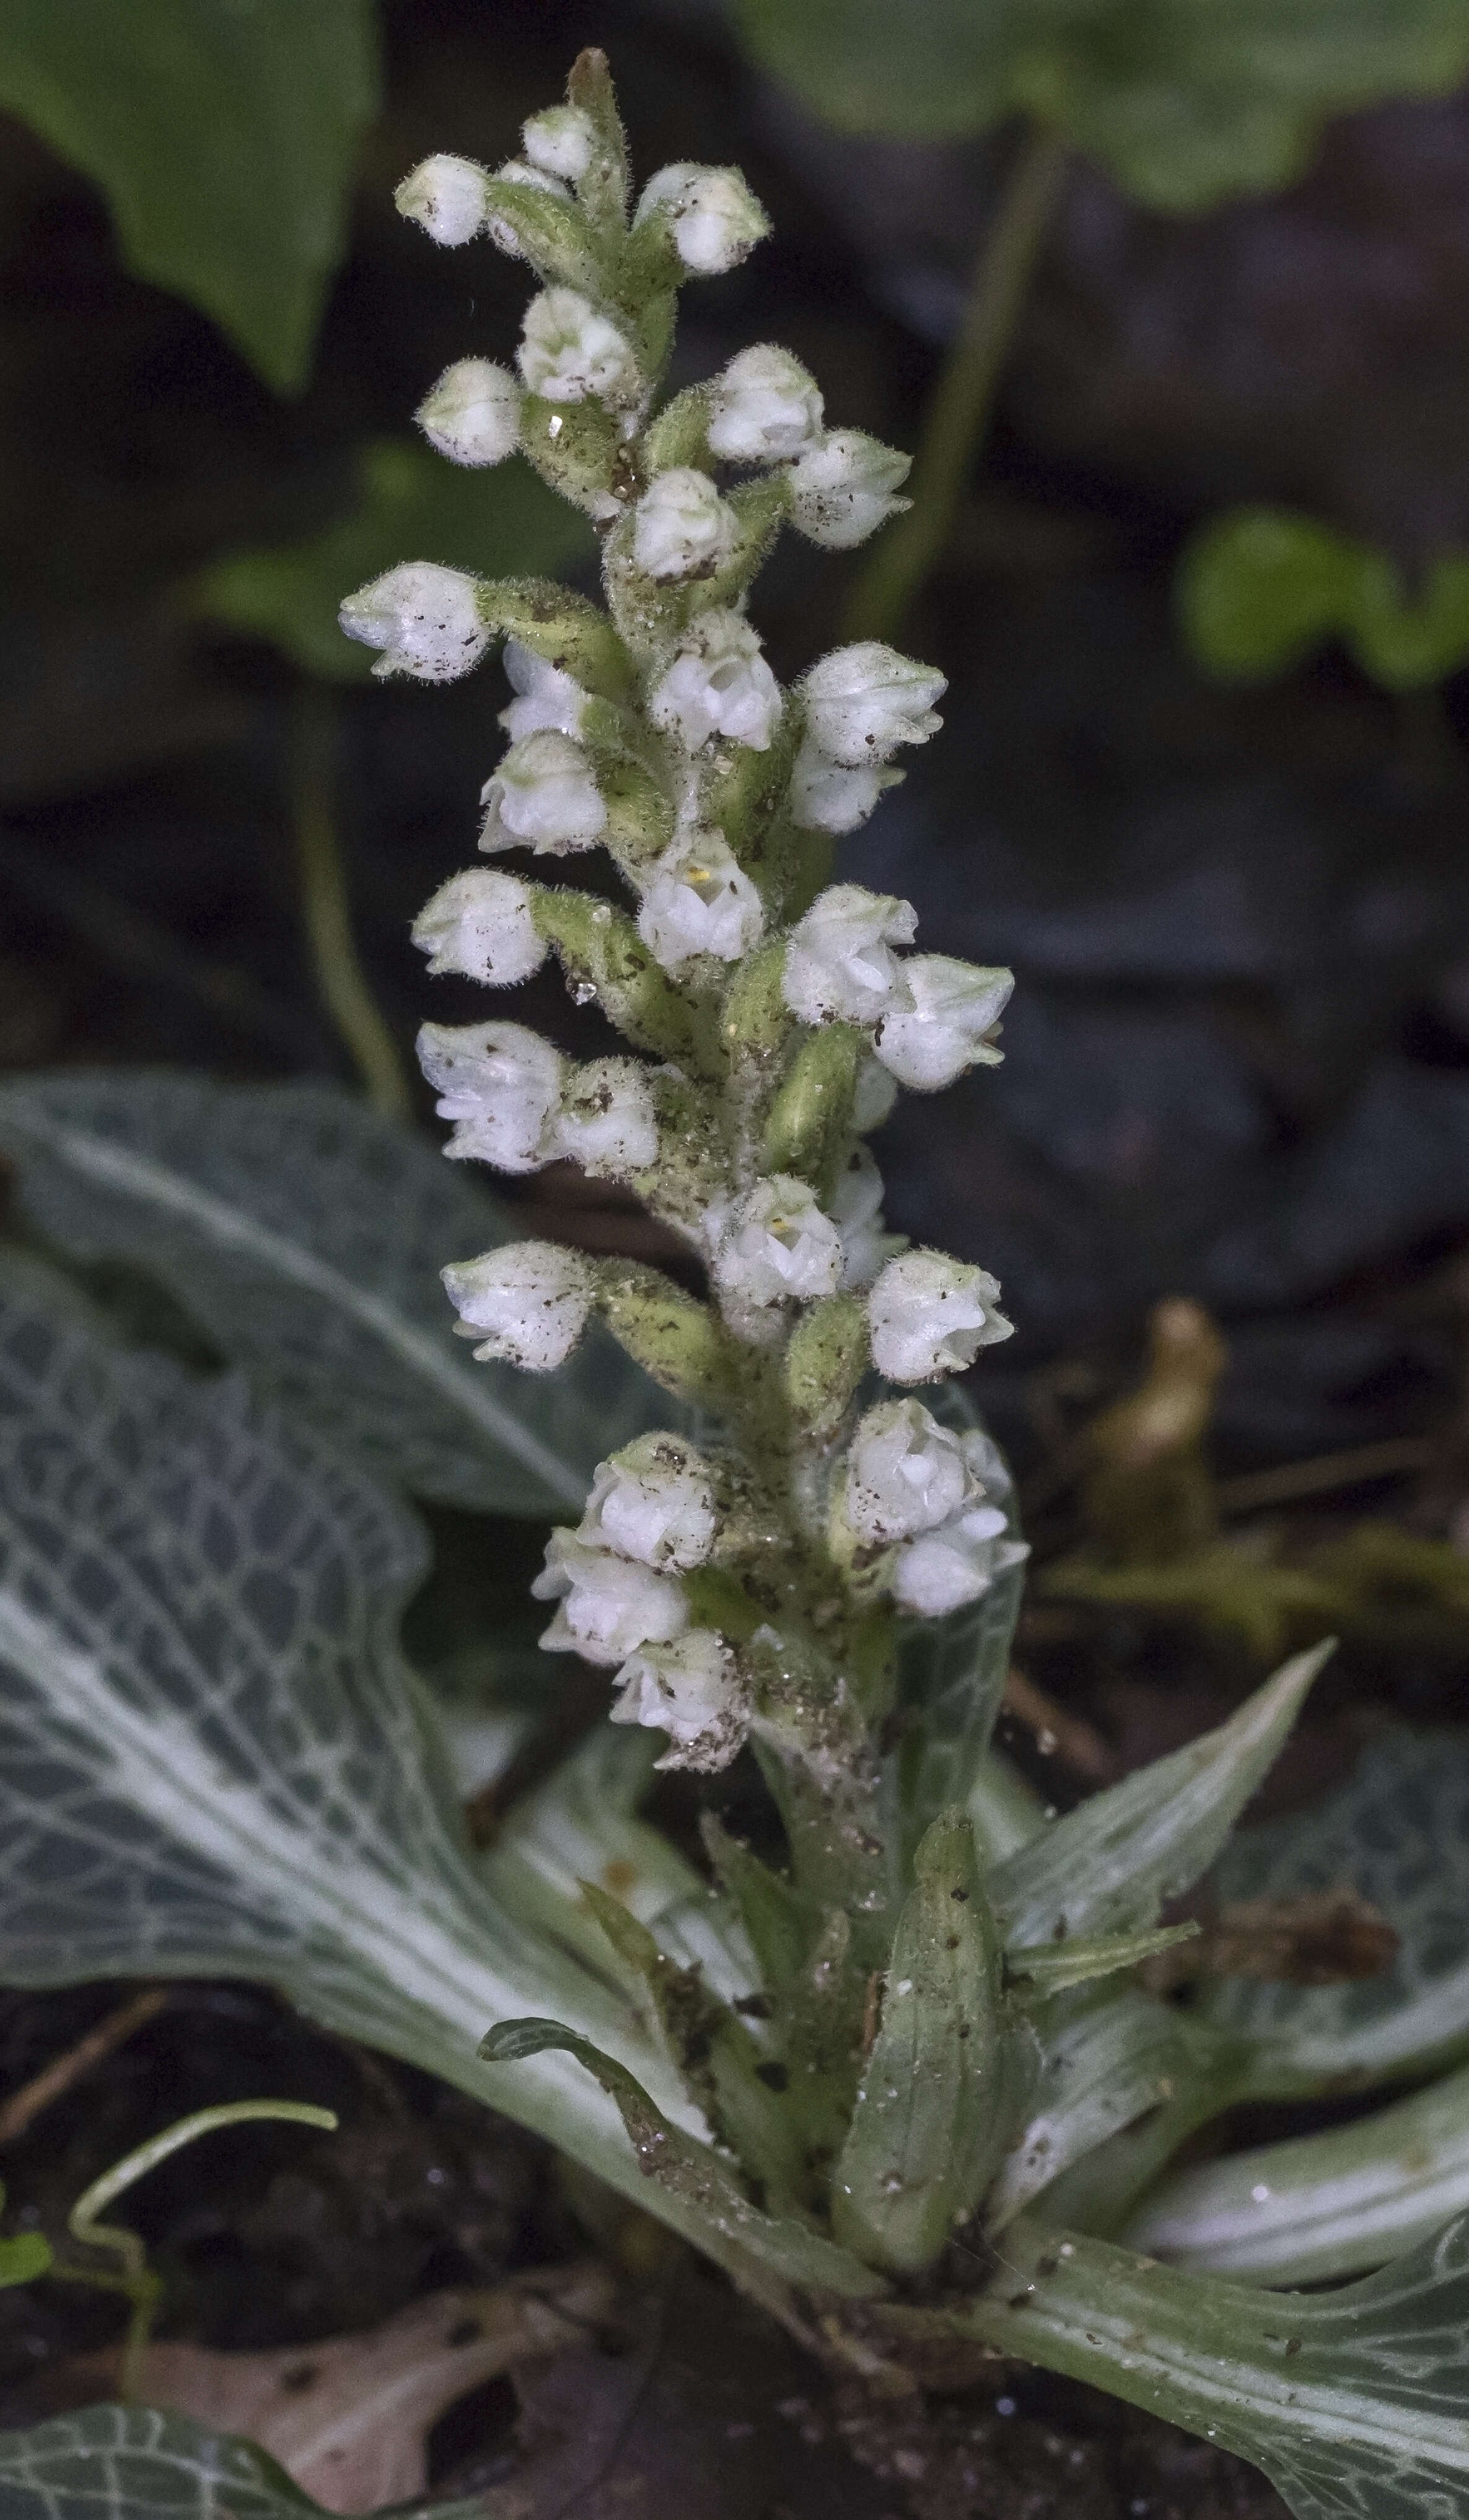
pixel 350 2419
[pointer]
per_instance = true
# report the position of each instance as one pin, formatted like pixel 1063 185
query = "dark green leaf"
pixel 132 2464
pixel 1183 103
pixel 1261 589
pixel 224 136
pixel 412 505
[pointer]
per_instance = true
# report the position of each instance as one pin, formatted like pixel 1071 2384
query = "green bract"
pixel 1184 104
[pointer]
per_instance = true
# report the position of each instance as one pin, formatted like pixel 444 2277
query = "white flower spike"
pixel 473 415
pixel 776 1245
pixel 714 217
pixel 764 408
pixel 531 1300
pixel 501 1085
pixel 482 925
pixel 844 488
pixel 570 351
pixel 606 1605
pixel 681 525
pixel 426 620
pixel 699 901
pixel 863 702
pixel 940 1024
pixel 855 1208
pixel 931 1315
pixel 544 796
pixel 828 796
pixel 719 684
pixel 655 1502
pixel 840 964
pixel 445 198
pixel 691 1690
pixel 607 1122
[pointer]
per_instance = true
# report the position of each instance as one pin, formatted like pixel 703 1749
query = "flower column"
pixel 747 1590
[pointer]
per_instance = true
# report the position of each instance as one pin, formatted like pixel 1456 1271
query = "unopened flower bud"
pixel 855 1208
pixel 775 1245
pixel 473 415
pixel 698 900
pixel 560 141
pixel 607 1124
pixel 719 684
pixel 544 695
pixel 681 524
pixel 692 1691
pixel 606 1605
pixel 445 196
pixel 844 488
pixel 863 702
pixel 905 1473
pixel 500 1084
pixel 827 796
pixel 570 350
pixel 936 1026
pixel 483 925
pixel 763 408
pixel 543 796
pixel 531 1300
pixel 426 620
pixel 501 229
pixel 874 1097
pixel 654 1501
pixel 713 218
pixel 949 1568
pixel 839 966
pixel 931 1315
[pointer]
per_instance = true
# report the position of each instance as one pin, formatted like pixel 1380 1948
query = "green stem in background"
pixel 137 2279
pixel 958 415
pixel 326 908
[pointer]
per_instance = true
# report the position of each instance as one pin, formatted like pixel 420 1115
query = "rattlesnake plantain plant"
pixel 903 2081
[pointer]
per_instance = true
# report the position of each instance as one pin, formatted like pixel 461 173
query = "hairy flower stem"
pixel 958 415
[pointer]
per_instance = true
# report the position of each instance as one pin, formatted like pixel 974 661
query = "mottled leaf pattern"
pixel 305 1234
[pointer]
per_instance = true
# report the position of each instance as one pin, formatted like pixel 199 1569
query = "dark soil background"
pixel 1237 1061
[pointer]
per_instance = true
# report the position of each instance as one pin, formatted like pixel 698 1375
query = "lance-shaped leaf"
pixel 306 1235
pixel 1103 2063
pixel 949 2073
pixel 676 2166
pixel 952 1671
pixel 212 1760
pixel 132 2464
pixel 1320 2205
pixel 1108 1867
pixel 1398 1833
pixel 1355 2402
pixel 1051 1968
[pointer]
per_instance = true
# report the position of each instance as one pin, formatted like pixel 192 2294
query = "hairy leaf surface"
pixel 224 137
pixel 305 1234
